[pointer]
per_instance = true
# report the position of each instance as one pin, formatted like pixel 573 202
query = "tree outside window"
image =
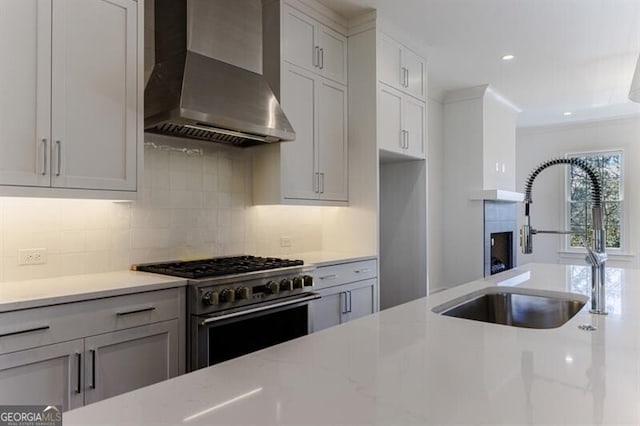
pixel 608 165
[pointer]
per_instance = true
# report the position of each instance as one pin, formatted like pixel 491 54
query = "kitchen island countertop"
pixel 408 365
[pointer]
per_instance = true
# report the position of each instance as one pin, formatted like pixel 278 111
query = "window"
pixel 608 165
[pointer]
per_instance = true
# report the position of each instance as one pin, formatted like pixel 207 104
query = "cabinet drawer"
pixel 328 276
pixel 52 324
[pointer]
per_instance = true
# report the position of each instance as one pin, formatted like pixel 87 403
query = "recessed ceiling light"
pixel 567 113
pixel 507 57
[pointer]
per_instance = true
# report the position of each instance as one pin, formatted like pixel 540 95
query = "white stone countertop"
pixel 74 288
pixel 326 258
pixel 408 365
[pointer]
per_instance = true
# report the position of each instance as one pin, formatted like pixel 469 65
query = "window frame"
pixel 567 199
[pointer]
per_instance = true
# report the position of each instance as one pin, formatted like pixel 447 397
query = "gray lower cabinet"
pixel 124 360
pixel 343 303
pixel 43 375
pixel 78 353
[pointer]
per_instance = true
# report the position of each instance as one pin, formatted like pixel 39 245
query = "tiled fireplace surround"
pixel 499 216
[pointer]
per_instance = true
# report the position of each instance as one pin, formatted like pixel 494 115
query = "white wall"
pixel 548 210
pixel 435 161
pixel 463 169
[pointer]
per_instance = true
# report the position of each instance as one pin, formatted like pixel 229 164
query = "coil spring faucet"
pixel 596 256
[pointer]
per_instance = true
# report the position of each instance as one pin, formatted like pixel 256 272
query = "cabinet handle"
pixel 407 138
pixel 59 144
pixel 44 156
pixel 401 138
pixel 349 301
pixel 316 56
pixel 29 330
pixel 343 295
pixel 329 277
pixel 316 182
pixel 79 371
pixel 322 180
pixel 362 271
pixel 135 311
pixel 93 368
pixel 321 58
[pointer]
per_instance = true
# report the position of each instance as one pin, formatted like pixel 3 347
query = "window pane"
pixel 609 169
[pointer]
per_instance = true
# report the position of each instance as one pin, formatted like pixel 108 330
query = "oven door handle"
pixel 313 296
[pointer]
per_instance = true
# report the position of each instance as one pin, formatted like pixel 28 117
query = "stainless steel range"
pixel 240 304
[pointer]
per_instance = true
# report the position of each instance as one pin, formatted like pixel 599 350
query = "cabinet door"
pixel 332 141
pixel 25 92
pixel 125 360
pixel 95 94
pixel 299 164
pixel 46 375
pixel 361 300
pixel 414 114
pixel 389 62
pixel 328 310
pixel 333 54
pixel 414 65
pixel 299 39
pixel 390 120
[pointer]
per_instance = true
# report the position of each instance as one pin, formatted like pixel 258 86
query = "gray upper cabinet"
pixel 312 45
pixel 71 96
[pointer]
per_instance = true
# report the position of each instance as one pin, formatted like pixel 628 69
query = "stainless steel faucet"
pixel 596 256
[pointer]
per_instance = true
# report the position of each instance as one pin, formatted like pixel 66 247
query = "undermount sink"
pixel 516 307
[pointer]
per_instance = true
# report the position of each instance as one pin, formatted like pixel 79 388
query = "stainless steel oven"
pixel 240 304
pixel 228 334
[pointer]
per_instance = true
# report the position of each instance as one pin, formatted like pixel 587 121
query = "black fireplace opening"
pixel 501 251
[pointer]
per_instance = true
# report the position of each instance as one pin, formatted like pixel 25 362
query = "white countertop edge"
pixel 16 295
pixel 327 258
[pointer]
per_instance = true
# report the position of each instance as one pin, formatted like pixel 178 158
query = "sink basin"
pixel 515 307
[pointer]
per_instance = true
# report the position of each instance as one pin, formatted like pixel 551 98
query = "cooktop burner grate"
pixel 218 266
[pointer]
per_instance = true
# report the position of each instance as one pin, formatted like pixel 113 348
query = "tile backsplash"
pixel 190 205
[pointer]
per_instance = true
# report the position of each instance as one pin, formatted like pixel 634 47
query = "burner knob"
pixel 286 284
pixel 242 293
pixel 272 287
pixel 210 298
pixel 227 295
pixel 298 282
pixel 308 280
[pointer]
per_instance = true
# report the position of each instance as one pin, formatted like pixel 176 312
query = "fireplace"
pixel 500 229
pixel 501 251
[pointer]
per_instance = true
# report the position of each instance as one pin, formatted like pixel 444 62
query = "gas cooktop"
pixel 218 266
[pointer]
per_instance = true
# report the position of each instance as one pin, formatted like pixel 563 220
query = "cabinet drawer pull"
pixel 59 171
pixel 329 277
pixel 136 311
pixel 362 271
pixel 29 330
pixel 79 372
pixel 316 56
pixel 44 156
pixel 93 368
pixel 321 58
pixel 322 183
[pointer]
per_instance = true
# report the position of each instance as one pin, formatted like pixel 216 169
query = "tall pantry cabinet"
pixel 70 96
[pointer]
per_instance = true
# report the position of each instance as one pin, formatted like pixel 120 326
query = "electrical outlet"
pixel 285 241
pixel 36 256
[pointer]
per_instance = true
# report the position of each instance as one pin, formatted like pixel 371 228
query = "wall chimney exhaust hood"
pixel 194 96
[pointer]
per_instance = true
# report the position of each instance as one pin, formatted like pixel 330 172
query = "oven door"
pixel 225 335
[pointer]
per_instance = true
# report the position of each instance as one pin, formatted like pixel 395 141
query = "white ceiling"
pixel 571 55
